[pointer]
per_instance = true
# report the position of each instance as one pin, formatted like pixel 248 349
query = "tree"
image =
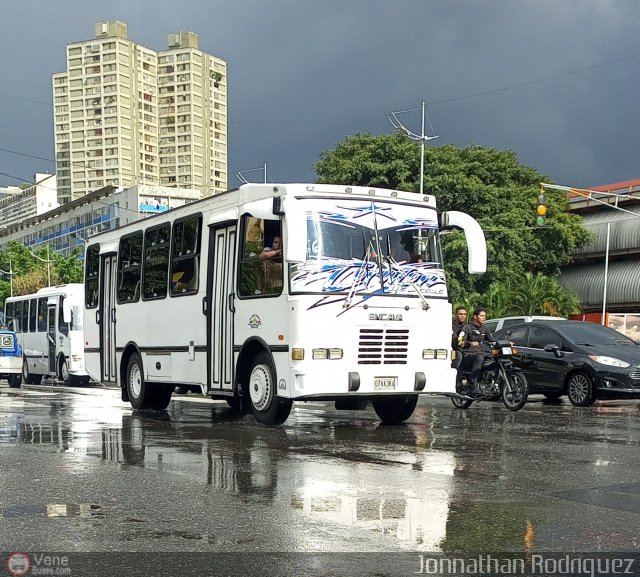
pixel 490 185
pixel 530 294
pixel 31 274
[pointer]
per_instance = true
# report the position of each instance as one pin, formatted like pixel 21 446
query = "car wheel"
pixel 580 389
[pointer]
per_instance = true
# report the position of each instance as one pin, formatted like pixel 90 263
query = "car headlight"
pixel 610 361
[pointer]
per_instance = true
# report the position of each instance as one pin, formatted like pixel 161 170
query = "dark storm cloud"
pixel 304 74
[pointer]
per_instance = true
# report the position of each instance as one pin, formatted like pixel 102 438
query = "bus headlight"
pixel 435 354
pixel 324 354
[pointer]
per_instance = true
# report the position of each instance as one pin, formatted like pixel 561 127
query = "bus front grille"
pixel 383 346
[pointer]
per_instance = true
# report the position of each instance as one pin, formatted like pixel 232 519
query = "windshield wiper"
pixel 357 277
pixel 392 262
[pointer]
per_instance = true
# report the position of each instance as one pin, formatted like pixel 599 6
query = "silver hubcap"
pixel 578 388
pixel 260 387
pixel 135 381
pixel 64 371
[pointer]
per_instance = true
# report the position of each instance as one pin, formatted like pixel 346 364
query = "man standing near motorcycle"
pixel 470 339
pixel 459 320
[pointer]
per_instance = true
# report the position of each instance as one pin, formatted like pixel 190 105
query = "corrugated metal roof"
pixel 625 231
pixel 587 280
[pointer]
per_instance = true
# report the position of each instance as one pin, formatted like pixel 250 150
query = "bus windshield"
pixel 371 247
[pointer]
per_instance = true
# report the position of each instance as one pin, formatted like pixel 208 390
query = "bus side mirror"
pixel 476 243
pixel 295 240
pixel 66 311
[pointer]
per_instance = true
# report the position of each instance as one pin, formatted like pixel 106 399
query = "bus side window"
pixel 10 316
pixel 91 276
pixel 260 270
pixel 42 315
pixel 62 326
pixel 185 256
pixel 32 315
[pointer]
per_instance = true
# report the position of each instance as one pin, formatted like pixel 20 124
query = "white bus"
pixel 48 325
pixel 268 294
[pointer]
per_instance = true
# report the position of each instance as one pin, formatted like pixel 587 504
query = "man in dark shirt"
pixel 459 320
pixel 470 339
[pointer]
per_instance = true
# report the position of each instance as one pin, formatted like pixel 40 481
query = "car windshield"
pixel 370 247
pixel 591 334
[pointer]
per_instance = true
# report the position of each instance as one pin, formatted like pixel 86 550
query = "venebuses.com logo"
pixel 18 564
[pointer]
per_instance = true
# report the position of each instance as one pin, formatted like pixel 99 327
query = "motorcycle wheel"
pixel 515 391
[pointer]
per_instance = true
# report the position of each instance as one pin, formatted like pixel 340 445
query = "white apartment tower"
pixel 127 115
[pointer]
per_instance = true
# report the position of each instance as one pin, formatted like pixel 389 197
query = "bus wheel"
pixel 27 377
pixel 394 409
pixel 268 408
pixel 63 371
pixel 15 381
pixel 136 387
pixel 143 395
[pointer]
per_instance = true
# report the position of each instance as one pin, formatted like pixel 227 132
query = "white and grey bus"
pixel 268 294
pixel 48 325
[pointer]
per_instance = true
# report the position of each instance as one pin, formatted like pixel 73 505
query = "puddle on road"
pixel 84 510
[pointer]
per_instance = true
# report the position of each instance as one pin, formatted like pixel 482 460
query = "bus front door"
pixel 51 337
pixel 220 306
pixel 108 317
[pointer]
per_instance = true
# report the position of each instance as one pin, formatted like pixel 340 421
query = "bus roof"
pixel 252 192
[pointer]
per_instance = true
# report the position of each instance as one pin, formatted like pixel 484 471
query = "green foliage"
pixel 531 294
pixel 30 274
pixel 489 184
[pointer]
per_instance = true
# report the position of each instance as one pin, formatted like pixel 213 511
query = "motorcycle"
pixel 499 380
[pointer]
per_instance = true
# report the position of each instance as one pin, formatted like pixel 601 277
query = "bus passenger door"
pixel 52 319
pixel 220 306
pixel 108 319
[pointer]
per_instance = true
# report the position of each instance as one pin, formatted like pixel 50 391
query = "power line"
pixel 431 103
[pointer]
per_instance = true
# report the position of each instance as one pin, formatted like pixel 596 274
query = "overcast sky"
pixel 556 81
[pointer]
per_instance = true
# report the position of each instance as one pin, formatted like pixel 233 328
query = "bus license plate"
pixel 385 383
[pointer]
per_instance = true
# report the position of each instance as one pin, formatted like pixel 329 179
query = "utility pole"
pixel 10 275
pixel 48 261
pixel 422 137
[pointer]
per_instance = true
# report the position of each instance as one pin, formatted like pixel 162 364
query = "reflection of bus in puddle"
pixel 415 517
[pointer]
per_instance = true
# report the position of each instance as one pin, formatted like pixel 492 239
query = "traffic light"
pixel 541 209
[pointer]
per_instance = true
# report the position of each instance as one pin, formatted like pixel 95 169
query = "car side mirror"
pixel 555 349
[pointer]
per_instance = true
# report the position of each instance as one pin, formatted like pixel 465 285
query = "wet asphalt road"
pixel 81 471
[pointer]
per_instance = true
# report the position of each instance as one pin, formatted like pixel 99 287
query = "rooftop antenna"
pixel 240 174
pixel 422 137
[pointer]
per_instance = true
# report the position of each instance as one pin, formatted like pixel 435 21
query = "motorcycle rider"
pixel 458 321
pixel 470 339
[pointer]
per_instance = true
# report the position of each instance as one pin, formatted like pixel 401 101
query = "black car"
pixel 583 360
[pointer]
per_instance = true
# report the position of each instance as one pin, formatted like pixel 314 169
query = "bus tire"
pixel 63 371
pixel 14 381
pixel 143 395
pixel 27 377
pixel 268 408
pixel 394 409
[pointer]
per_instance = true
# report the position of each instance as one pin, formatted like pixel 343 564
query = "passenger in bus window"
pixel 274 251
pixel 272 257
